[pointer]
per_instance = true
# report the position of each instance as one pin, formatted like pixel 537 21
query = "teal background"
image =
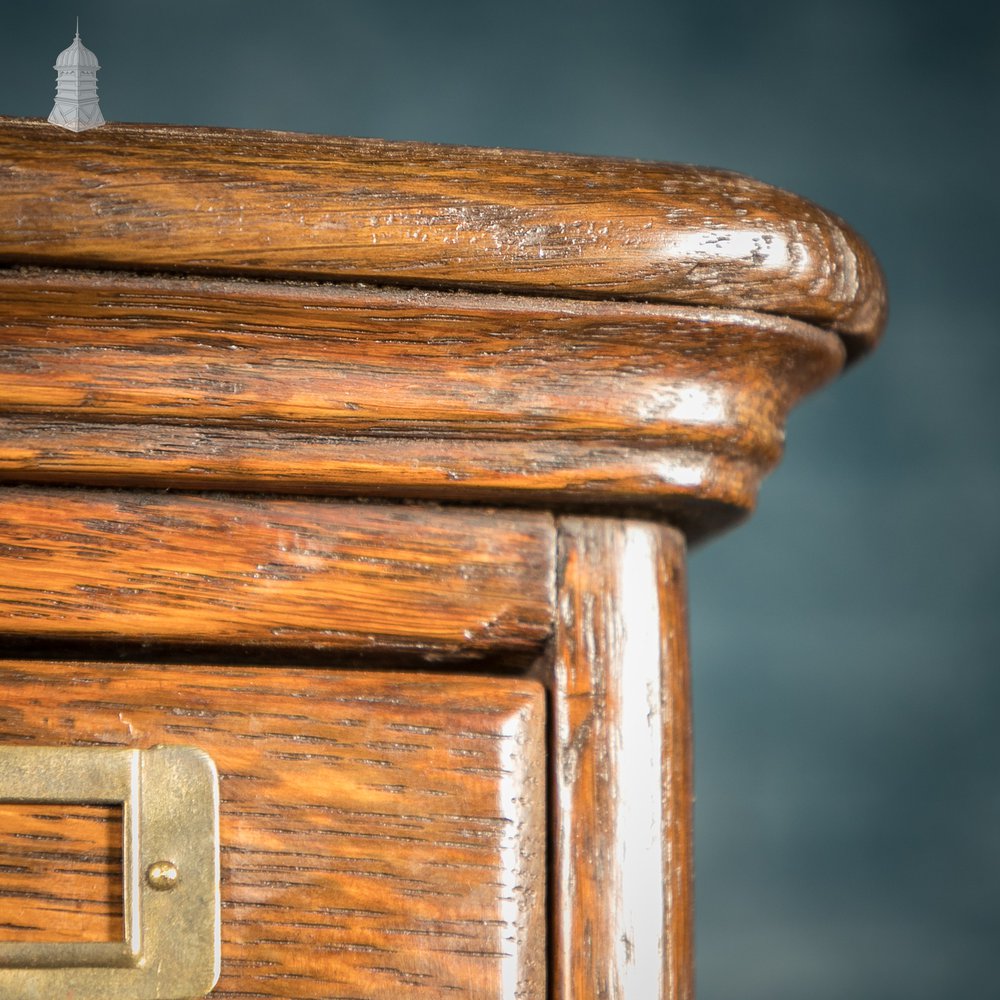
pixel 845 640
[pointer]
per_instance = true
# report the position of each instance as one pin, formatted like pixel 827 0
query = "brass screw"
pixel 162 875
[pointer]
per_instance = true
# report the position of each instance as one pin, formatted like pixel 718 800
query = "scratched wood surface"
pixel 60 872
pixel 209 383
pixel 621 765
pixel 383 835
pixel 280 204
pixel 88 564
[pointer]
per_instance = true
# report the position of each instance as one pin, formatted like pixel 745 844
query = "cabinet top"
pixel 286 205
pixel 355 317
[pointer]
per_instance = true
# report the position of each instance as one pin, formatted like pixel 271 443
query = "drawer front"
pixel 253 572
pixel 382 835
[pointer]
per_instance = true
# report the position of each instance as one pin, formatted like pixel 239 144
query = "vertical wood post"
pixel 622 873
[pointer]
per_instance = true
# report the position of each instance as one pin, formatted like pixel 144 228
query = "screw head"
pixel 162 875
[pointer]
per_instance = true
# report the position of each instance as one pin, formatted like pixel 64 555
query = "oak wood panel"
pixel 318 574
pixel 61 873
pixel 211 383
pixel 280 204
pixel 621 764
pixel 382 835
pixel 359 362
pixel 700 492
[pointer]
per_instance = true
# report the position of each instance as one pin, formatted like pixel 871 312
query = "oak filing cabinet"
pixel 346 489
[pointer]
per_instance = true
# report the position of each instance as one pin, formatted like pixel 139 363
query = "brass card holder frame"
pixel 172 930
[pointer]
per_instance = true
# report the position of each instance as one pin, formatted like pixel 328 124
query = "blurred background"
pixel 845 639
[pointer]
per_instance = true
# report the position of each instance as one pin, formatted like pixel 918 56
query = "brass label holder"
pixel 170 812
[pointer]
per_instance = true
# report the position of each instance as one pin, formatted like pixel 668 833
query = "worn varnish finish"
pixel 532 329
pixel 280 204
pixel 280 572
pixel 700 492
pixel 350 361
pixel 60 872
pixel 382 834
pixel 301 388
pixel 621 765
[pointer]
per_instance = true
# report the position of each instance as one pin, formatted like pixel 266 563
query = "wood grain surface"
pixel 621 765
pixel 61 873
pixel 208 383
pixel 280 204
pixel 700 492
pixel 82 564
pixel 382 835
